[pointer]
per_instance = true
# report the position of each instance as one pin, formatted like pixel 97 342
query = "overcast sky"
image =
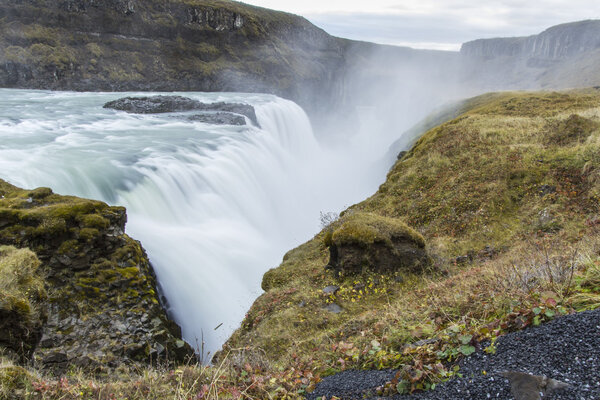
pixel 435 24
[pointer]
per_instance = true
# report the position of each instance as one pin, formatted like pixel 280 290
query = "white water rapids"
pixel 214 206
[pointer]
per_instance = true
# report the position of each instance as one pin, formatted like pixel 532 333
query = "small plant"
pixel 328 218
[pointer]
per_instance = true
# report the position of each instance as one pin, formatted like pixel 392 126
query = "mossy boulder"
pixel 575 129
pixel 361 241
pixel 102 308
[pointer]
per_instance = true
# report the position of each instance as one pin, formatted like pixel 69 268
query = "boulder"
pixel 93 295
pixel 362 241
pixel 168 104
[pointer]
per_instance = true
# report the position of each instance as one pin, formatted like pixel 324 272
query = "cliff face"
pixel 557 42
pixel 164 45
pixel 102 309
pixel 560 57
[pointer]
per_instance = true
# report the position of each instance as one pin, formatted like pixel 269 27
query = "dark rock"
pixel 167 104
pixel 402 154
pixel 219 118
pixel 526 386
pixel 543 190
pixel 55 358
pixel 47 341
pixel 333 308
pixel 488 252
pixel 351 384
pixel 331 290
pixel 107 271
pixel 462 259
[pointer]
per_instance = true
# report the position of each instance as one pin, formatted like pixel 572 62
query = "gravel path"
pixel 566 349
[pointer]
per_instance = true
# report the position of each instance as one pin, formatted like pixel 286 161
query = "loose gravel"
pixel 566 349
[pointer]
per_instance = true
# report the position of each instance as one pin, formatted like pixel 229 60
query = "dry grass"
pixel 21 288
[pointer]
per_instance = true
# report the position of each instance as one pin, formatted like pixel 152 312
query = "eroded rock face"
pixel 165 104
pixel 557 42
pixel 102 309
pixel 362 241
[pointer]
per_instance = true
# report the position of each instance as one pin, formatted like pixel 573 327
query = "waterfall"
pixel 214 206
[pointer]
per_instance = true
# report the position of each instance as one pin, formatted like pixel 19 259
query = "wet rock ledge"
pixel 98 308
pixel 219 113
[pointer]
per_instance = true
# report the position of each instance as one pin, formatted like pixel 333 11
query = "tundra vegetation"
pixel 503 198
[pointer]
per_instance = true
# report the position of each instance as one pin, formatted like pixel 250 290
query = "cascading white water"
pixel 214 206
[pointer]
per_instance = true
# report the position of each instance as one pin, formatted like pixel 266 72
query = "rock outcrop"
pixel 165 104
pixel 103 308
pixel 361 241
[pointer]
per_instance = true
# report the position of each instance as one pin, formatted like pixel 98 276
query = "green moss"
pixel 14 380
pixel 51 227
pixel 367 228
pixel 69 247
pixel 49 56
pixel 95 221
pixel 15 54
pixel 95 50
pixel 129 273
pixel 89 234
pixel 40 193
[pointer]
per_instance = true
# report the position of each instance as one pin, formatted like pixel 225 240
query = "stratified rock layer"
pixel 102 308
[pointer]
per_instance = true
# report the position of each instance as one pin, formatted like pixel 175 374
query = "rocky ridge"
pixel 102 310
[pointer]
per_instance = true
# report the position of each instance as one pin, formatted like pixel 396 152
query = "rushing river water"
pixel 214 206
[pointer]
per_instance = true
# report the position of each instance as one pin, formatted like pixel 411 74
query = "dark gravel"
pixel 566 349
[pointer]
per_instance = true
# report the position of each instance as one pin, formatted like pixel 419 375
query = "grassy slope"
pixel 506 196
pixel 511 185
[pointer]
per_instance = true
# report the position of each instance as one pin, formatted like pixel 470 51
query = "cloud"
pixel 449 25
pixel 436 23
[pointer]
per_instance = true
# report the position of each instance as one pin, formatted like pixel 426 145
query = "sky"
pixel 435 24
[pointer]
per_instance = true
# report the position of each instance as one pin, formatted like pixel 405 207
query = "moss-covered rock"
pixel 102 294
pixel 360 241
